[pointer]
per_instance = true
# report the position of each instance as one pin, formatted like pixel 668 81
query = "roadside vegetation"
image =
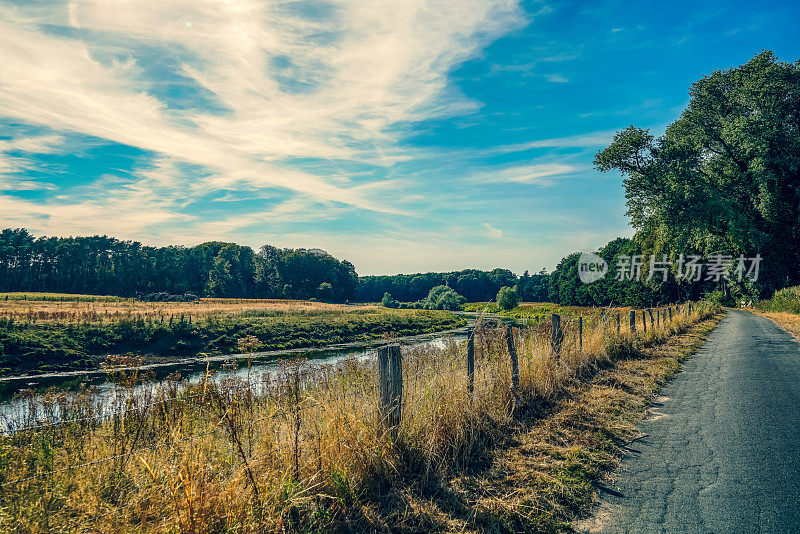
pixel 783 309
pixel 52 335
pixel 307 451
pixel 784 300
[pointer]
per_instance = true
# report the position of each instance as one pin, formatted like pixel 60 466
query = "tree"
pixel 507 298
pixel 388 301
pixel 325 292
pixel 443 298
pixel 725 177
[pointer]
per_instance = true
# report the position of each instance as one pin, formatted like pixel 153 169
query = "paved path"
pixel 722 453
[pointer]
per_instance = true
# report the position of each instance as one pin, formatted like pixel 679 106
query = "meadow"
pixel 308 450
pixel 48 332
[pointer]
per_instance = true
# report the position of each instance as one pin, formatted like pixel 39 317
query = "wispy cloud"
pixel 541 174
pixel 556 78
pixel 287 82
pixel 492 231
pixel 589 140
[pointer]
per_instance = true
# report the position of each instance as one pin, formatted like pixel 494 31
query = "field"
pixel 52 335
pixel 64 307
pixel 532 312
pixel 310 450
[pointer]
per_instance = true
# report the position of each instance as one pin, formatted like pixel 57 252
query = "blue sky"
pixel 404 136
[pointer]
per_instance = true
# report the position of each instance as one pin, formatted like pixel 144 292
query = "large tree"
pixel 724 177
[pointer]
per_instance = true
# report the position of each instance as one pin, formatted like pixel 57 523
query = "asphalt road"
pixel 722 453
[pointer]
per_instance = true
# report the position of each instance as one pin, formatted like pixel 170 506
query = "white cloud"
pixel 589 140
pixel 541 174
pixel 556 78
pixel 285 91
pixel 492 231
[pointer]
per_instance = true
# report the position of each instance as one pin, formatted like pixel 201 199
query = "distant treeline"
pixel 107 266
pixel 474 285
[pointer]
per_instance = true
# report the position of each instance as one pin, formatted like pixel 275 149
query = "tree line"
pixel 475 285
pixel 109 266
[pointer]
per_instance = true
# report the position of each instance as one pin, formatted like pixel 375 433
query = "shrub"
pixel 325 292
pixel 507 298
pixel 787 300
pixel 443 298
pixel 388 301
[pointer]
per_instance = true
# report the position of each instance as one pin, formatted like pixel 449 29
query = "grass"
pixel 57 297
pixel 784 300
pixel 305 451
pixel 51 340
pixel 541 311
pixel 783 309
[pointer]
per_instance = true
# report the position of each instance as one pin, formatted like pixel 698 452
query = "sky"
pixel 402 135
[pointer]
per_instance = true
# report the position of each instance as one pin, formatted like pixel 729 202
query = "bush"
pixel 388 301
pixel 443 298
pixel 786 300
pixel 507 298
pixel 718 297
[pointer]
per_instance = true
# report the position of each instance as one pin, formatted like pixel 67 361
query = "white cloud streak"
pixel 289 85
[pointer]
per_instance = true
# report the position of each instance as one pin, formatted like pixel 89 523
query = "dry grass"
pixel 305 451
pixel 75 309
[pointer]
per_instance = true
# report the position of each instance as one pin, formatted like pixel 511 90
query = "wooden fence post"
pixel 580 333
pixel 633 321
pixel 557 335
pixel 652 319
pixel 471 359
pixel 669 312
pixel 390 382
pixel 619 323
pixel 512 352
pixel 644 321
pixel 658 318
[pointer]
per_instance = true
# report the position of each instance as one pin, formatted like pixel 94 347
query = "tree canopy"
pixel 724 177
pixel 108 266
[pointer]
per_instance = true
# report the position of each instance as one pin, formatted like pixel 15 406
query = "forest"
pixel 102 265
pixel 473 284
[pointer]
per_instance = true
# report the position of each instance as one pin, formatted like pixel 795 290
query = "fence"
pixel 312 420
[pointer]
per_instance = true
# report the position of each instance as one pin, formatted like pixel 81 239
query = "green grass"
pixel 54 346
pixel 531 312
pixel 784 300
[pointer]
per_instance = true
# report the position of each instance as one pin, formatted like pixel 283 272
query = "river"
pixel 21 398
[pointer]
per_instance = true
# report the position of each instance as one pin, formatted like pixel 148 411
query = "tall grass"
pixel 42 342
pixel 784 300
pixel 301 451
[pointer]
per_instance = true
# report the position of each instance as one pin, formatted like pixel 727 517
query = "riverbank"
pixel 308 450
pixel 31 347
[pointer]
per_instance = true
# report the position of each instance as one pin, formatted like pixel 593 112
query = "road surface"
pixel 722 452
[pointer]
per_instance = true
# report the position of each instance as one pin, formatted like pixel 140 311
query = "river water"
pixel 21 399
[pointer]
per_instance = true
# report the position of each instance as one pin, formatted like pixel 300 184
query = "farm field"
pixel 45 333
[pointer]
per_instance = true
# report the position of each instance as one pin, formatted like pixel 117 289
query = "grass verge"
pixel 546 475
